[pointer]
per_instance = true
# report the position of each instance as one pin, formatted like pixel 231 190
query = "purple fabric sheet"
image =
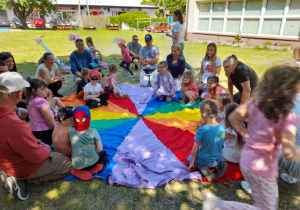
pixel 144 162
pixel 140 96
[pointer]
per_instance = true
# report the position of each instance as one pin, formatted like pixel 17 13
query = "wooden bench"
pixel 63 26
pixel 112 27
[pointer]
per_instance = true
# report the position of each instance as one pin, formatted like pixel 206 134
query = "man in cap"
pixel 148 59
pixel 22 156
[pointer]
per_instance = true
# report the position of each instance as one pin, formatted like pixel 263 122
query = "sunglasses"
pixel 94 79
pixel 136 39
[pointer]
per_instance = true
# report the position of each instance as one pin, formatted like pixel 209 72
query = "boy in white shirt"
pixel 92 92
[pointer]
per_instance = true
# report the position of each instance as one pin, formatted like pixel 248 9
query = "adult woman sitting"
pixel 9 61
pixel 176 64
pixel 48 71
pixel 178 33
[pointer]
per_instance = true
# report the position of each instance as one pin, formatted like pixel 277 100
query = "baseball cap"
pixel 13 81
pixel 92 66
pixel 148 37
pixel 122 41
pixel 64 113
pixel 94 73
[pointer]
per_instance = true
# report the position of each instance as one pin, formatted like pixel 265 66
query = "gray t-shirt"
pixel 180 28
pixel 149 53
pixel 136 49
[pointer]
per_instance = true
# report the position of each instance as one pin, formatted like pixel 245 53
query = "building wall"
pixel 255 19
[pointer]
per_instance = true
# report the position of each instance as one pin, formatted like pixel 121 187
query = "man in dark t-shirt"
pixel 241 76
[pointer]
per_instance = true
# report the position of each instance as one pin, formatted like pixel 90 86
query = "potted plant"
pixel 89 27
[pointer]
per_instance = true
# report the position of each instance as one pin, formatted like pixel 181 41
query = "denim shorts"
pixel 201 162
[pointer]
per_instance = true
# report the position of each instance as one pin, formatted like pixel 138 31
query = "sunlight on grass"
pixel 35 208
pixel 57 193
pixel 94 185
pixel 52 194
pixel 149 192
pixel 184 206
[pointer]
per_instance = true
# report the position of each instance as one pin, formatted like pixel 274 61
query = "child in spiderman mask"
pixel 88 155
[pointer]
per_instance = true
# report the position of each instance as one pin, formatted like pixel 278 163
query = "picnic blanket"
pixel 147 141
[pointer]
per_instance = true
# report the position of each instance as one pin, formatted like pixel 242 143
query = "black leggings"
pixel 103 99
pixel 102 160
pixel 126 65
pixel 54 87
pixel 44 136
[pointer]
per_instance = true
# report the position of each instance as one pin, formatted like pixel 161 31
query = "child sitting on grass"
pixel 214 89
pixel 60 135
pixel 111 83
pixel 165 85
pixel 189 88
pixel 223 99
pixel 212 136
pixel 92 92
pixel 234 141
pixel 88 156
pixel 85 72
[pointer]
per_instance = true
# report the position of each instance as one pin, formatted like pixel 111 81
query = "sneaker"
pixel 17 188
pixel 245 186
pixel 182 101
pixel 207 173
pixel 220 169
pixel 191 103
pixel 210 201
pixel 289 179
pixel 132 75
pixel 94 104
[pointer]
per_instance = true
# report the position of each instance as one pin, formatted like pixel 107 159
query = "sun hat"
pixel 13 81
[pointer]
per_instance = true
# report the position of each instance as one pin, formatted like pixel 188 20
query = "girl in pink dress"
pixel 272 127
pixel 189 88
pixel 126 58
pixel 111 82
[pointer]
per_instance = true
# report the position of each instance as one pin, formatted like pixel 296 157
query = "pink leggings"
pixel 264 193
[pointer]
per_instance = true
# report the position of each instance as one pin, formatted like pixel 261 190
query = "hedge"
pixel 130 19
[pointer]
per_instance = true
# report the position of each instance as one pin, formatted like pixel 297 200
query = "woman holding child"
pixel 48 71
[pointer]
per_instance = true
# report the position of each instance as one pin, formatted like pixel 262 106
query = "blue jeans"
pixel 202 162
pixel 188 66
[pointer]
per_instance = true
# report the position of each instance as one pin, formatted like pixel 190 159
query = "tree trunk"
pixel 24 24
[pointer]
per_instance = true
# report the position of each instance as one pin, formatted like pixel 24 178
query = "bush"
pixel 285 45
pixel 130 19
pixel 267 43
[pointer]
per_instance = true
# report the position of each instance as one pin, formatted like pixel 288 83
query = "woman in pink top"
pixel 271 123
pixel 126 58
pixel 111 82
pixel 214 89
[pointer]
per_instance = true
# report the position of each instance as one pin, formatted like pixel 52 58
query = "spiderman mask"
pixel 82 118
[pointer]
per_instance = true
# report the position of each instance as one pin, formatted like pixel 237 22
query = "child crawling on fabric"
pixel 212 136
pixel 88 155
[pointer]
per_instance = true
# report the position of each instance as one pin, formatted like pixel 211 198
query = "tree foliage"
pixel 171 5
pixel 23 8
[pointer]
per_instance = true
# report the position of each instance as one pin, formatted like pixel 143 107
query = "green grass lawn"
pixel 98 194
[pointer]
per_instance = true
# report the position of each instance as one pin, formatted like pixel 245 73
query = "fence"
pixel 96 21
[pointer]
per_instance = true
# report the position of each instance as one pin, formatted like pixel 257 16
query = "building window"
pixel 275 7
pixel 250 26
pixel 218 9
pixel 275 18
pixel 233 25
pixel 235 8
pixel 203 24
pixel 271 27
pixel 253 7
pixel 292 28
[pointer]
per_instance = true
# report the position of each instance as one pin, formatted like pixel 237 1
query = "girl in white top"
pixel 223 99
pixel 48 71
pixel 210 65
pixel 234 141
